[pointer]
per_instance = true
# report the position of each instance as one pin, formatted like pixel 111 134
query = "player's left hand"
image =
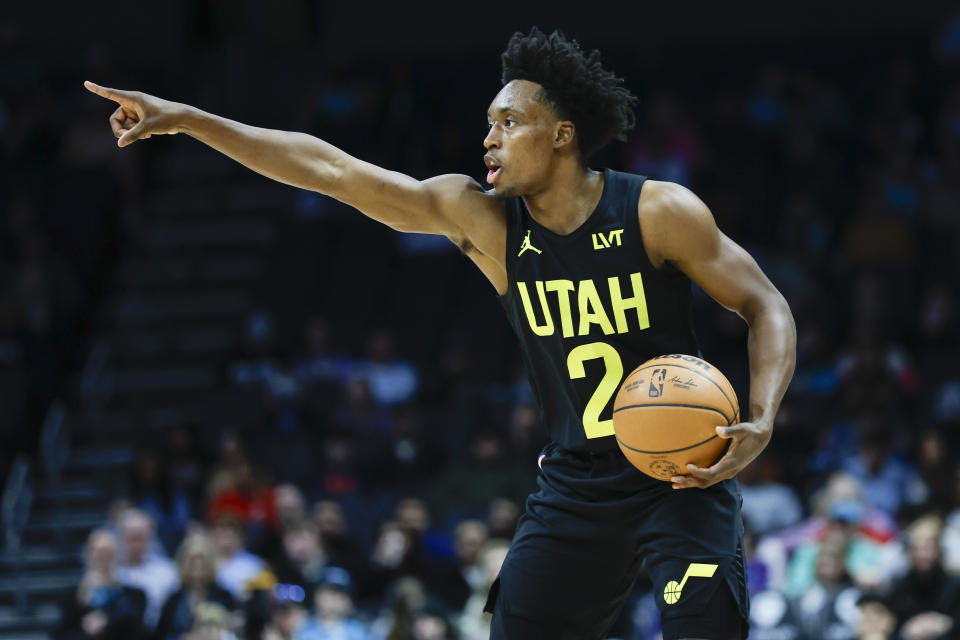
pixel 747 440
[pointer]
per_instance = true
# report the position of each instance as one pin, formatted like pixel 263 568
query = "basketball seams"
pixel 735 410
pixel 657 453
pixel 674 404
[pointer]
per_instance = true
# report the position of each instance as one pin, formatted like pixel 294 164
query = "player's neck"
pixel 568 201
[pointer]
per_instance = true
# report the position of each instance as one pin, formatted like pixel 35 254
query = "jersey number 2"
pixel 592 424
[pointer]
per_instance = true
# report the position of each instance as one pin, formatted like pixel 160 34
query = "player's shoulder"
pixel 661 197
pixel 672 219
pixel 478 216
pixel 668 204
pixel 456 188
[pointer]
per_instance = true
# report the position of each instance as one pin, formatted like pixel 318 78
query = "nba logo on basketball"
pixel 656 382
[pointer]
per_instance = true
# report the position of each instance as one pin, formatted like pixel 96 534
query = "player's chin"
pixel 505 190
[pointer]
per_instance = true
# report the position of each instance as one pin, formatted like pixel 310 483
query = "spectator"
pixel 470 538
pixel 951 531
pixel 197 563
pixel 407 595
pixel 772 617
pixel 667 147
pixel 155 495
pixel 429 557
pixel 229 466
pixel 285 617
pixel 210 622
pixel 394 555
pixel 937 468
pixel 828 608
pixel 304 559
pixel 341 469
pixel 318 363
pixel 332 617
pixel 502 518
pixel 145 569
pixel 185 467
pixel 392 381
pixel 416 455
pixel 768 504
pixel 101 608
pixel 432 623
pixel 468 488
pixel 360 413
pixel 527 435
pixel 248 500
pixel 926 601
pixel 236 566
pixel 337 541
pixel 888 482
pixel 474 623
pixel 876 621
pixel 290 506
pixel 864 559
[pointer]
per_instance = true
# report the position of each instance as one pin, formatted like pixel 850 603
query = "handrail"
pixel 54 449
pixel 54 452
pixel 94 386
pixel 17 500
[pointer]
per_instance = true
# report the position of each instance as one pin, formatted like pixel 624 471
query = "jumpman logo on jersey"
pixel 526 245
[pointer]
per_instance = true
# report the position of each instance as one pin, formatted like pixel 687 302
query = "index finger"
pixel 116 95
pixel 688 482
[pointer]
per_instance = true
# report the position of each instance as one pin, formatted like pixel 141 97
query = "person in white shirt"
pixel 237 565
pixel 144 569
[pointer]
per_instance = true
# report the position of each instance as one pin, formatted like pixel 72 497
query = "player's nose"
pixel 492 140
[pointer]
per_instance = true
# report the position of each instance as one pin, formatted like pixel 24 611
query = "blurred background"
pixel 229 408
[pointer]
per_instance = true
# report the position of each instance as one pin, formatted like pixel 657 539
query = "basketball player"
pixel 593 269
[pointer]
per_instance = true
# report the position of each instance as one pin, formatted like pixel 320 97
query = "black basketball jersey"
pixel 588 308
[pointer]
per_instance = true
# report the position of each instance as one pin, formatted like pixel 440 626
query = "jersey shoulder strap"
pixel 515 225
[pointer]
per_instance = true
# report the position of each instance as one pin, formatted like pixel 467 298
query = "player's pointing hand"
pixel 747 440
pixel 139 115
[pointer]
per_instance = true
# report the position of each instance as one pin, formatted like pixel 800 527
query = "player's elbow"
pixel 770 305
pixel 327 176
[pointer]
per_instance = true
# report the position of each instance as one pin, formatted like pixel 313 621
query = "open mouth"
pixel 493 169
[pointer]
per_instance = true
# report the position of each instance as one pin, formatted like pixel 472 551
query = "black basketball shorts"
pixel 583 537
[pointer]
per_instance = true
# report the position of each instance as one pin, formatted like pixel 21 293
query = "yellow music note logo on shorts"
pixel 673 590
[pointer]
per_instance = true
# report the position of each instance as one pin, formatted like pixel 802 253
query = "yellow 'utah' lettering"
pixel 546 328
pixel 591 309
pixel 589 306
pixel 563 289
pixel 621 304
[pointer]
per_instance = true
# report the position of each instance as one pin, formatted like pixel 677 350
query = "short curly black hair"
pixel 575 85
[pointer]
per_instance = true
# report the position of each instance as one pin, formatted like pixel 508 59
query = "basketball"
pixel 666 413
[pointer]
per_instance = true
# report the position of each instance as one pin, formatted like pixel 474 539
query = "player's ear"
pixel 564 134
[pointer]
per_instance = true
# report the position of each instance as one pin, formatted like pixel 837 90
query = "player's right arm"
pixel 450 205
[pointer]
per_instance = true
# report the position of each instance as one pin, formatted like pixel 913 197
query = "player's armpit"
pixel 494 271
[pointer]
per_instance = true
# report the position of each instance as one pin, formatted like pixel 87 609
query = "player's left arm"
pixel 679 229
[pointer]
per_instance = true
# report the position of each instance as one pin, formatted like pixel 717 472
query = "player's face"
pixel 520 142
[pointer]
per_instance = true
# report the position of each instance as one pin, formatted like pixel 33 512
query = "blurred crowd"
pixel 376 495
pixel 62 191
pixel 271 566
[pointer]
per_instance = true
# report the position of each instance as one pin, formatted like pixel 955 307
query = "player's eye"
pixel 510 122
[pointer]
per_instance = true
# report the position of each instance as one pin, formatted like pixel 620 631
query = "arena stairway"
pixel 172 318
